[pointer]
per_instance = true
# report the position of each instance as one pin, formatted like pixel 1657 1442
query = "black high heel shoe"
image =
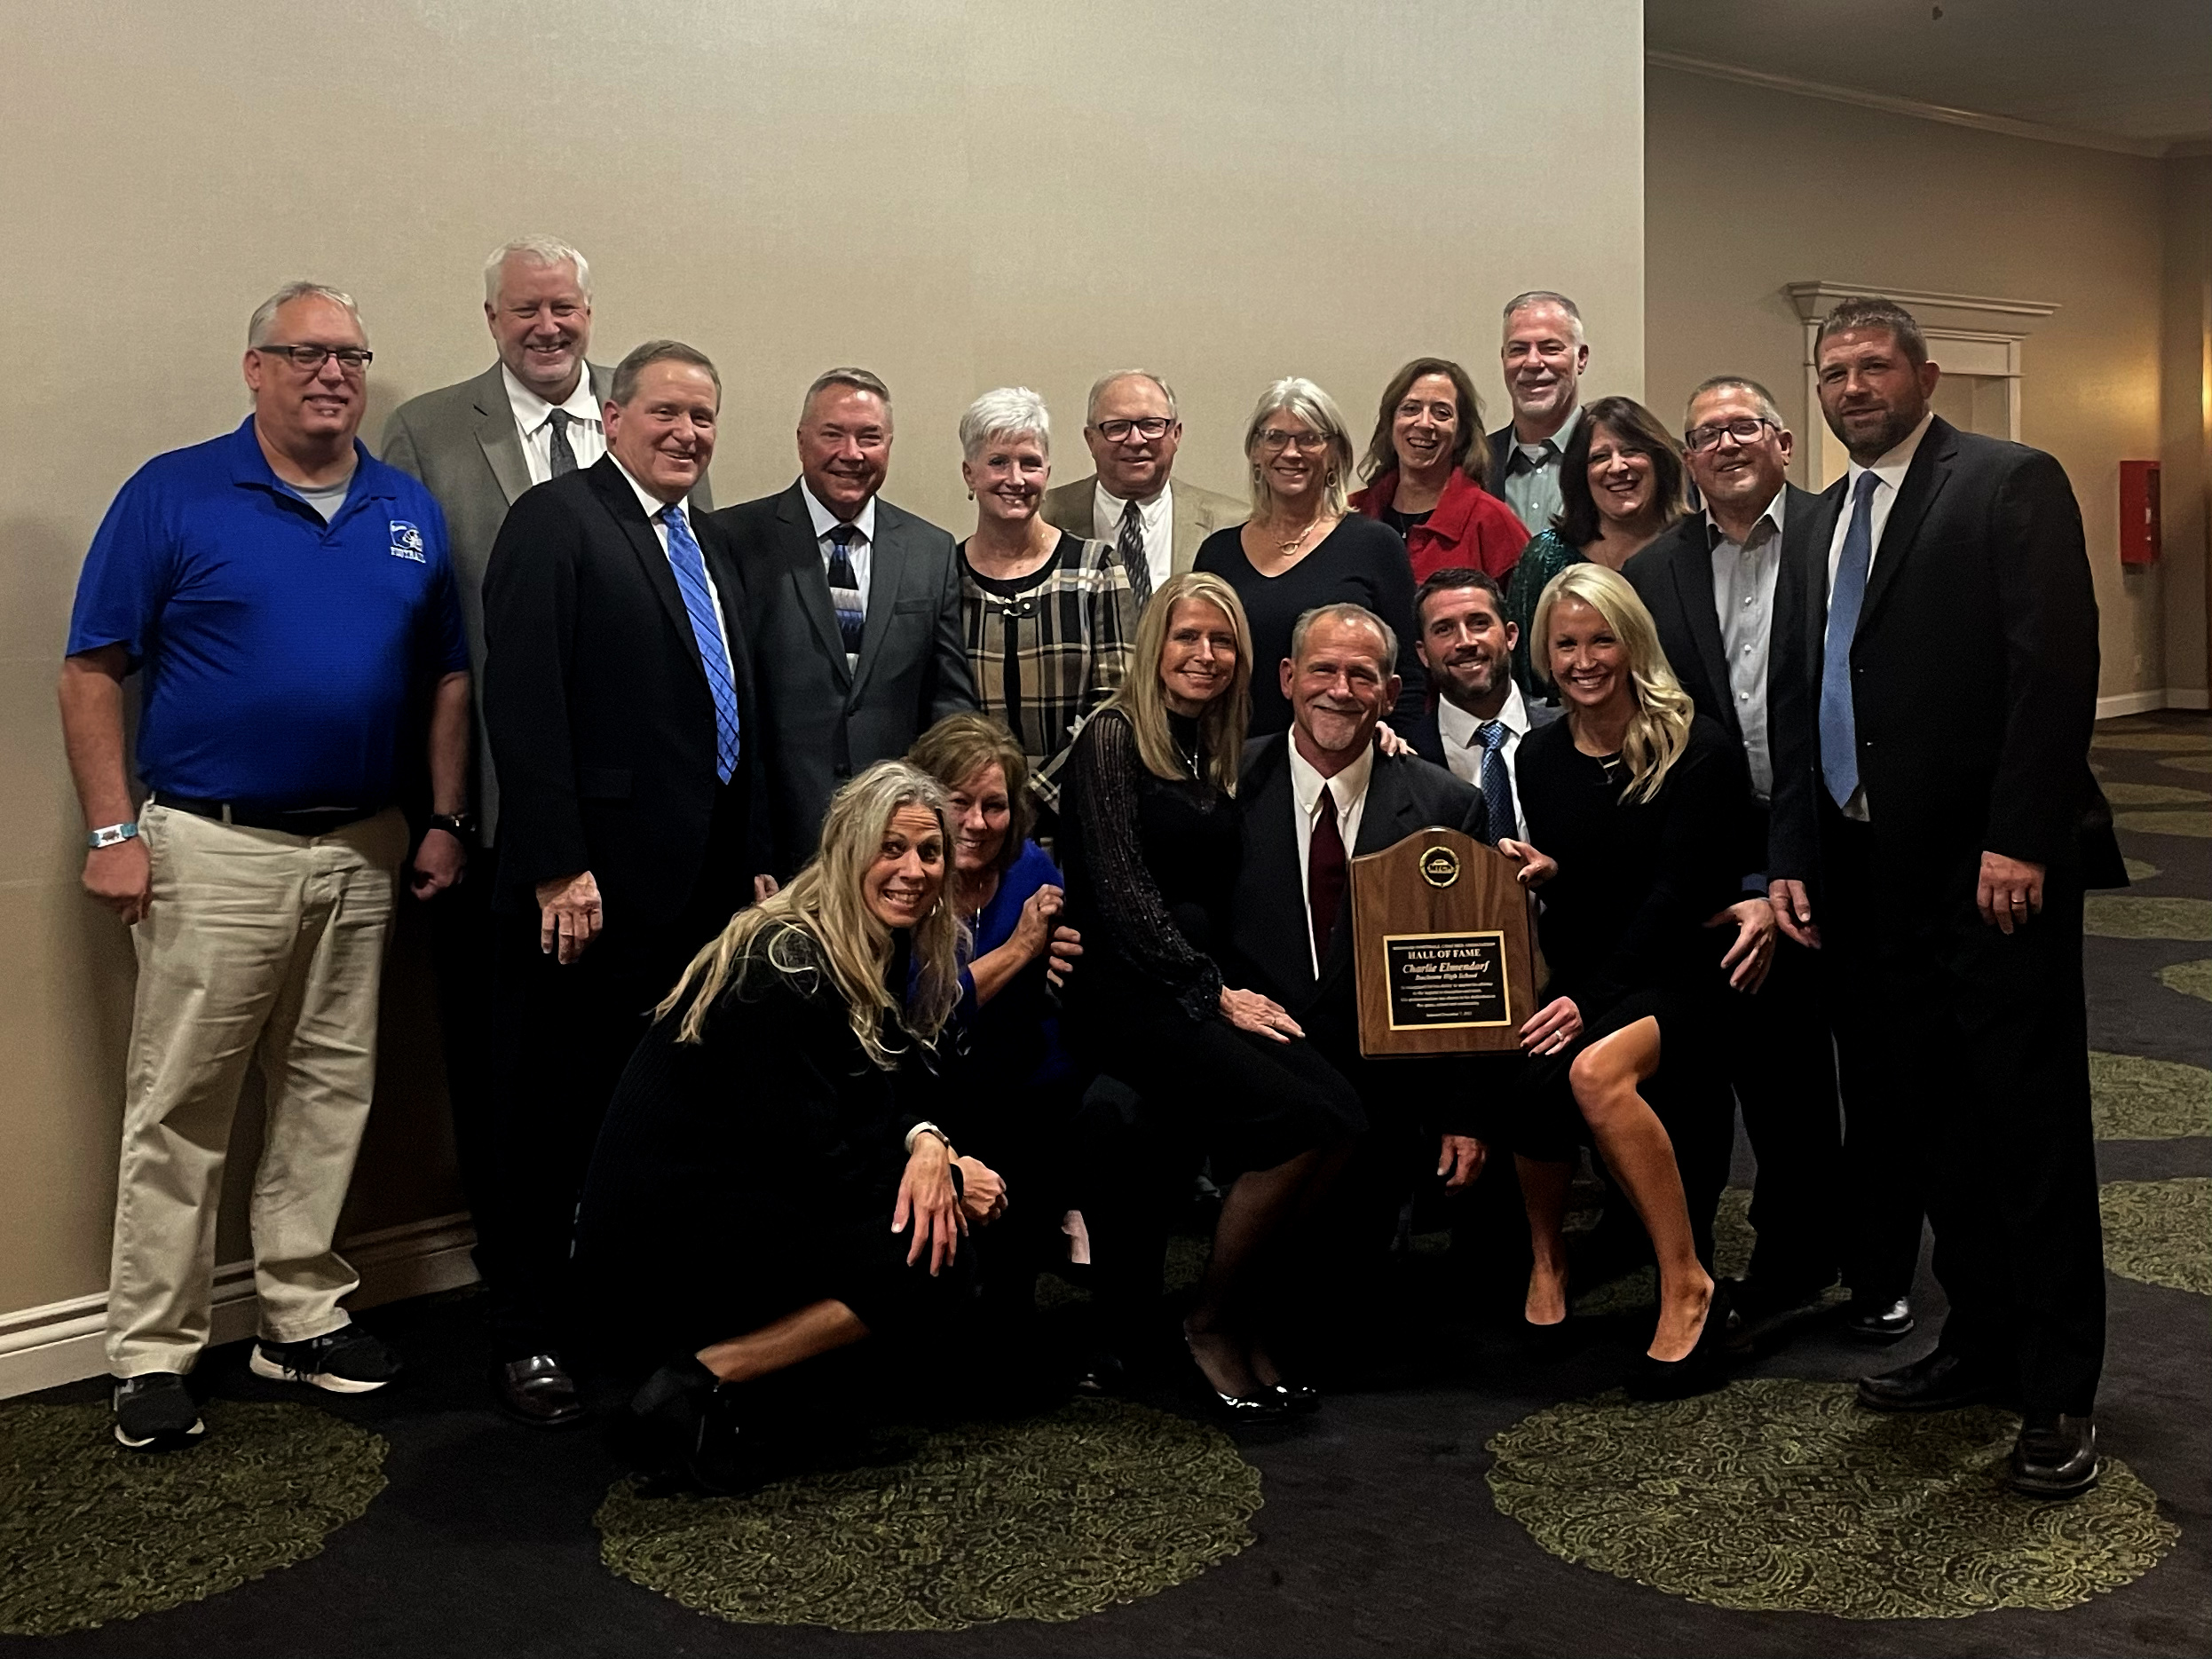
pixel 1698 1371
pixel 1266 1407
pixel 1548 1342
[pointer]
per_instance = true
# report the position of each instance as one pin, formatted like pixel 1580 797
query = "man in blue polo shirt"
pixel 282 594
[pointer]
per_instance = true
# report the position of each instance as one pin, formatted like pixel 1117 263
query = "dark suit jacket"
pixel 1267 916
pixel 1973 673
pixel 821 723
pixel 597 701
pixel 461 440
pixel 1426 737
pixel 1501 444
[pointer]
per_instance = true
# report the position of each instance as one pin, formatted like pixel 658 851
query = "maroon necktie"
pixel 1324 874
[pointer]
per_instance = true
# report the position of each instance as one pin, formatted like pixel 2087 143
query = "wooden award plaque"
pixel 1442 948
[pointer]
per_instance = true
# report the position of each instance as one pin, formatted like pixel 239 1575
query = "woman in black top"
pixel 767 1186
pixel 1640 804
pixel 1303 547
pixel 1153 842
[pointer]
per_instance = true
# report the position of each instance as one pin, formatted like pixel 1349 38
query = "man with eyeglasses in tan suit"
pixel 1133 499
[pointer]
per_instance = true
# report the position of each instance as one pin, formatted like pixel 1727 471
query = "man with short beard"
pixel 1936 824
pixel 1312 799
pixel 1542 357
pixel 1479 717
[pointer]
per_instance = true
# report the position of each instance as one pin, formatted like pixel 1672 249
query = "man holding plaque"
pixel 1312 799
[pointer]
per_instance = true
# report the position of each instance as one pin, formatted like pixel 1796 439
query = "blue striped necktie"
pixel 1498 789
pixel 1839 725
pixel 844 585
pixel 698 604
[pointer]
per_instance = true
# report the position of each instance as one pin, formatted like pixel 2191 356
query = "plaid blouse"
pixel 1048 648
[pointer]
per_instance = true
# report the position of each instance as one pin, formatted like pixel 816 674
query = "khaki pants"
pixel 265 945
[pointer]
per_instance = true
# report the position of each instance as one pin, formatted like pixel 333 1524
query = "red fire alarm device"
pixel 2138 512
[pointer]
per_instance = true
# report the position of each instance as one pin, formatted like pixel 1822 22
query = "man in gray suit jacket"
pixel 1156 524
pixel 853 609
pixel 536 413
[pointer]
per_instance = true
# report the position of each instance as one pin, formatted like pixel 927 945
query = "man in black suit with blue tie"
pixel 1475 722
pixel 1936 824
pixel 618 697
pixel 855 611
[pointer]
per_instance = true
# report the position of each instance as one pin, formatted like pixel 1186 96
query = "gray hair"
pixel 1545 296
pixel 644 356
pixel 1009 412
pixel 858 379
pixel 1295 395
pixel 264 314
pixel 1098 390
pixel 1765 399
pixel 538 251
pixel 1872 311
pixel 1347 611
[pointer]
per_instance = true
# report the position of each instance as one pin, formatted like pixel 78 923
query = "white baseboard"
pixel 62 1342
pixel 2144 702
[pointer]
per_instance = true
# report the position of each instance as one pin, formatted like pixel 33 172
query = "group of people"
pixel 837 925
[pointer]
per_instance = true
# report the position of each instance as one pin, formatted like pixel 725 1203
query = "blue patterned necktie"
pixel 1840 727
pixel 698 604
pixel 844 585
pixel 1498 789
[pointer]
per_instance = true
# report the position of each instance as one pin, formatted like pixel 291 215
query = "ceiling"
pixel 2138 69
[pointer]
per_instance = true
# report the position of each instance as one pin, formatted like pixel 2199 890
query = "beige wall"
pixel 1747 190
pixel 957 192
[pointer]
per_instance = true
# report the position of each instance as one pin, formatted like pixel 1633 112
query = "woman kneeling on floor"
pixel 768 1187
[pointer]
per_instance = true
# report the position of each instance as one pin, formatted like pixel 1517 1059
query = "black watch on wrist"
pixel 460 825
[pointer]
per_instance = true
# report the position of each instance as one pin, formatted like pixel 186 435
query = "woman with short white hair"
pixel 1303 547
pixel 1049 616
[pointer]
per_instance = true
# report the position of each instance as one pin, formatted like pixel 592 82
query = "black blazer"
pixel 1501 443
pixel 1974 672
pixel 1268 926
pixel 823 724
pixel 1425 733
pixel 596 704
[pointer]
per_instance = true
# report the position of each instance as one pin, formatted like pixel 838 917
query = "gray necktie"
pixel 564 457
pixel 1130 541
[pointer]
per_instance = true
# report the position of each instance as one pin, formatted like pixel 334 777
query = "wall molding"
pixel 2145 702
pixel 41 1347
pixel 1919 109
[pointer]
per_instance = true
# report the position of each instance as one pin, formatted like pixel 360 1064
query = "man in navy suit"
pixel 1936 824
pixel 1475 724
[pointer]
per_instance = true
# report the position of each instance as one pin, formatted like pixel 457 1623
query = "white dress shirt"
pixel 1349 789
pixel 1463 750
pixel 1155 518
pixel 1890 471
pixel 1744 600
pixel 654 506
pixel 860 551
pixel 533 419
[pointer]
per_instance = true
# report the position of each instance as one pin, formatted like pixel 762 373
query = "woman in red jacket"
pixel 1427 460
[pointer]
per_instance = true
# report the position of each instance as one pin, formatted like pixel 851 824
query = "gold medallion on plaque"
pixel 1440 866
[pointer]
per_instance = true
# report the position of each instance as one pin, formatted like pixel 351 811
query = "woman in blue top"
pixel 1013 1087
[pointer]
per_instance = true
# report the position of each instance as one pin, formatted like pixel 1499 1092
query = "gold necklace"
pixel 1288 547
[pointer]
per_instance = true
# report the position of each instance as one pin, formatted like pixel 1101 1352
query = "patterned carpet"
pixel 1455 1495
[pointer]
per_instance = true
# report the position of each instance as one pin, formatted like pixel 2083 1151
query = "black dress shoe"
pixel 1264 1406
pixel 1701 1370
pixel 1298 1398
pixel 1879 1322
pixel 1102 1373
pixel 1939 1383
pixel 2056 1458
pixel 537 1390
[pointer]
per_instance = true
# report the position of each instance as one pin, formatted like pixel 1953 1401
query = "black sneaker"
pixel 157 1413
pixel 344 1361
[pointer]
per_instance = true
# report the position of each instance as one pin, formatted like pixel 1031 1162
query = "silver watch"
pixel 112 835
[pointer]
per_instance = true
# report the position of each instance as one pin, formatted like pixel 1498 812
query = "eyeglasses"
pixel 1150 427
pixel 1744 429
pixel 308 360
pixel 1306 443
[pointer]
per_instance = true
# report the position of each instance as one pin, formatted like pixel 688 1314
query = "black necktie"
pixel 564 457
pixel 1131 543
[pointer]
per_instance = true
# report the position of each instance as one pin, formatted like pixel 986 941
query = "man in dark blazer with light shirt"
pixel 854 609
pixel 618 694
pixel 1709 584
pixel 1292 913
pixel 1936 824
